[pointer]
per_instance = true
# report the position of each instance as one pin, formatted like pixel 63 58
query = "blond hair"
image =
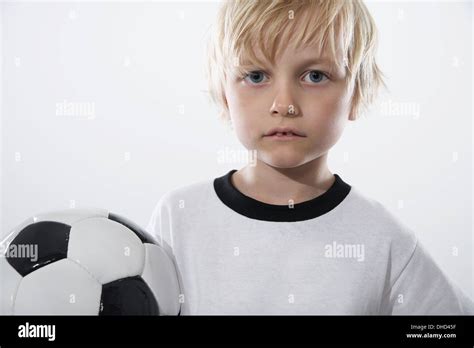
pixel 243 25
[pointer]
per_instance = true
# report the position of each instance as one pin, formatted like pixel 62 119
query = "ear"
pixel 352 110
pixel 352 114
pixel 224 97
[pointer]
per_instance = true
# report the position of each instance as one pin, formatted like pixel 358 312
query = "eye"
pixel 316 76
pixel 255 76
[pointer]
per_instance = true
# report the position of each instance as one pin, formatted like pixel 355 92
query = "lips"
pixel 285 131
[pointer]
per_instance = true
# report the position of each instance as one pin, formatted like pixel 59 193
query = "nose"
pixel 284 105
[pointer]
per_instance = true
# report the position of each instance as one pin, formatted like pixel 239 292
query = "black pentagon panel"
pixel 140 232
pixel 128 296
pixel 38 245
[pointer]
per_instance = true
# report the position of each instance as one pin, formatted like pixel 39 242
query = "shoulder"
pixel 191 192
pixel 389 238
pixel 170 206
pixel 382 223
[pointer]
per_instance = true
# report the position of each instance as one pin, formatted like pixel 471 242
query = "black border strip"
pixel 254 209
pixel 241 329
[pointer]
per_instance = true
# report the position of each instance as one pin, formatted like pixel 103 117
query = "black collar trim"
pixel 255 209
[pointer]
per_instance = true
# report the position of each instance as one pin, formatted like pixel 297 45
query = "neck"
pixel 278 186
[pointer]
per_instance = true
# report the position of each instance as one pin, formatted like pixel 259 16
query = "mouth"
pixel 284 133
pixel 284 136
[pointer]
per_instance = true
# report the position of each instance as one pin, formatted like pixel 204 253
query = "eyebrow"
pixel 305 62
pixel 318 60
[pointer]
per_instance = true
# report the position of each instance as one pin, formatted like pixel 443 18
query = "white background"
pixel 140 65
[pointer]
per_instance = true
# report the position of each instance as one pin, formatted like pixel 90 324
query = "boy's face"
pixel 294 93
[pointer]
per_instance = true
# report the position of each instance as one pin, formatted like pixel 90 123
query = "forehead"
pixel 293 56
pixel 291 53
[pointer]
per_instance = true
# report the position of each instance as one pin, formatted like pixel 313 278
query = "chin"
pixel 283 161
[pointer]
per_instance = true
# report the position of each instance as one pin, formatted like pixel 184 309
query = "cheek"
pixel 243 120
pixel 333 129
pixel 244 111
pixel 328 118
pixel 243 129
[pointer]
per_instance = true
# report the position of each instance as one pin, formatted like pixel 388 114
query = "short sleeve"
pixel 159 225
pixel 422 288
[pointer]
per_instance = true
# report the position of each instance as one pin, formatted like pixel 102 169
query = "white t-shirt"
pixel 339 253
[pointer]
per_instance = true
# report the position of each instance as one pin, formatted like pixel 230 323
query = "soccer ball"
pixel 85 262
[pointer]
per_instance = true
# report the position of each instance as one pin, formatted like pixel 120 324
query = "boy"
pixel 287 236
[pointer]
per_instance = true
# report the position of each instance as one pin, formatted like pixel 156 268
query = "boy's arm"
pixel 422 288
